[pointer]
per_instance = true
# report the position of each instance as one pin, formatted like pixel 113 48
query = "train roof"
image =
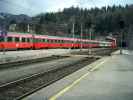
pixel 14 34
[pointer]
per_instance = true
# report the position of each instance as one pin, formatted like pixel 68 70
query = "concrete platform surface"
pixel 11 56
pixel 110 78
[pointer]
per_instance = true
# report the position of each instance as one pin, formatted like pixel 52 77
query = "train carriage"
pixel 40 42
pixel 15 41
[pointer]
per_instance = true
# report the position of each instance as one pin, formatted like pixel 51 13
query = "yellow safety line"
pixel 75 82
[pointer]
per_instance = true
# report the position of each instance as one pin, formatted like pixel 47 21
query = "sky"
pixel 33 7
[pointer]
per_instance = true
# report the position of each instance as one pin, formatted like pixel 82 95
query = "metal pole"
pixel 28 28
pixel 121 23
pixel 73 27
pixel 81 34
pixel 121 42
pixel 90 39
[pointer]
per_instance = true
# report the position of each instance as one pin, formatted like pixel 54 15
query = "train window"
pixel 39 40
pixel 23 39
pixel 53 41
pixel 28 39
pixel 56 41
pixel 9 39
pixel 1 39
pixel 50 41
pixel 16 39
pixel 43 40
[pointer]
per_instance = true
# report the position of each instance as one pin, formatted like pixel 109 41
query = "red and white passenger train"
pixel 16 41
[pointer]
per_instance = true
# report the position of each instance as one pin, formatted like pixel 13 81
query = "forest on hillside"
pixel 103 21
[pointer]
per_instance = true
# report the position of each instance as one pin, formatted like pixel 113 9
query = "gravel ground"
pixel 23 71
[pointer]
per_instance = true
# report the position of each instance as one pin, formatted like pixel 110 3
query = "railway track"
pixel 96 52
pixel 30 61
pixel 25 86
pixel 20 88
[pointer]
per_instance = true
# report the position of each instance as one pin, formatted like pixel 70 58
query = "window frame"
pixel 9 39
pixel 2 39
pixel 23 39
pixel 16 38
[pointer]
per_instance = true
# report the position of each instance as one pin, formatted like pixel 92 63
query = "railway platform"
pixel 14 56
pixel 109 78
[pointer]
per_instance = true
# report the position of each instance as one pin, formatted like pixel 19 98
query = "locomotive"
pixel 15 41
